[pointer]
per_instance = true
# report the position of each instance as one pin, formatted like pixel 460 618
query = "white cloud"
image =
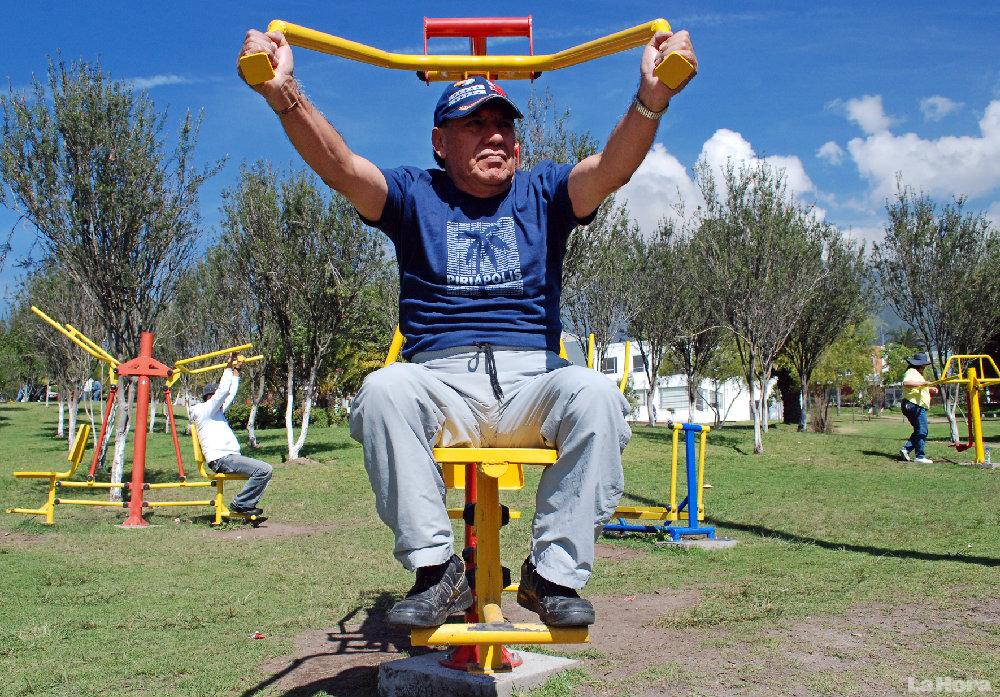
pixel 937 107
pixel 831 152
pixel 865 232
pixel 868 113
pixel 946 166
pixel 147 83
pixel 661 182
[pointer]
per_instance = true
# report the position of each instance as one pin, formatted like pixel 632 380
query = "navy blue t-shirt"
pixel 475 270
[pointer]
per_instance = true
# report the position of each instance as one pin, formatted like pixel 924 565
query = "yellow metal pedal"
pixel 256 68
pixel 673 71
pixel 644 513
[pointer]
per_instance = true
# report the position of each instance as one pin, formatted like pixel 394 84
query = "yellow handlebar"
pixel 213 354
pixel 673 71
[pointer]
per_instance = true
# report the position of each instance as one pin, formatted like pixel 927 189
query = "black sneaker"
pixel 440 591
pixel 557 606
pixel 245 511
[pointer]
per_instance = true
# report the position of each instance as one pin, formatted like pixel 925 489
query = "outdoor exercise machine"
pixel 975 372
pixel 144 367
pixel 658 519
pixel 479 644
pixel 673 71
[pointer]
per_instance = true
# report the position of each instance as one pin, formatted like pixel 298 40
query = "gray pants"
pixel 444 399
pixel 258 471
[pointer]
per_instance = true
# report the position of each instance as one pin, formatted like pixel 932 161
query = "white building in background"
pixel 730 399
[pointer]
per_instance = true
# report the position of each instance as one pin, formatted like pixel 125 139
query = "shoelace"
pixel 491 370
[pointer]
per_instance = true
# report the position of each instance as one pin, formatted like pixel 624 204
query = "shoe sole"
pixel 460 604
pixel 905 455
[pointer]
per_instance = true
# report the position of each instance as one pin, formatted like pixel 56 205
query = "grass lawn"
pixel 853 572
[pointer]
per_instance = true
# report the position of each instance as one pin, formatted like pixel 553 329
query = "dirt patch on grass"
pixel 272 529
pixel 635 650
pixel 19 539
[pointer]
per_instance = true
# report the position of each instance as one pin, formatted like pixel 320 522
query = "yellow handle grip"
pixel 256 68
pixel 674 70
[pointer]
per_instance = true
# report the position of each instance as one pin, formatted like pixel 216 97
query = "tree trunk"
pixel 649 406
pixel 252 419
pixel 691 398
pixel 290 408
pixel 124 407
pixel 73 407
pixel 838 400
pixel 765 416
pixel 758 442
pixel 60 429
pixel 152 411
pixel 804 406
pixel 949 394
pixel 306 410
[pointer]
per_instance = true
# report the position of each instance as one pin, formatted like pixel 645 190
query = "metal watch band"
pixel 646 111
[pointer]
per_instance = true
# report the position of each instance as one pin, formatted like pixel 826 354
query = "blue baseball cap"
pixel 464 97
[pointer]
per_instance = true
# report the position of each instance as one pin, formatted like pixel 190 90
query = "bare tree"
pixel 84 161
pixel 938 268
pixel 840 301
pixel 760 253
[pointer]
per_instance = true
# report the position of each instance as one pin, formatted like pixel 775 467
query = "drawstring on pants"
pixel 491 370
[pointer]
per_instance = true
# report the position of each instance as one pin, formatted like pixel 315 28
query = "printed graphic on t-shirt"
pixel 483 258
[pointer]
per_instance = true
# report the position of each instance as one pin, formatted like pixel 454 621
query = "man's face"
pixel 478 150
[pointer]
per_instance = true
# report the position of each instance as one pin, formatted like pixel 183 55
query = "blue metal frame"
pixel 693 498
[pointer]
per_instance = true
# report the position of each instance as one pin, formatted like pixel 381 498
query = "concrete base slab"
pixel 700 543
pixel 424 676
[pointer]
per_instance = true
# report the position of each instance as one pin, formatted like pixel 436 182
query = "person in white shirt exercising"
pixel 219 444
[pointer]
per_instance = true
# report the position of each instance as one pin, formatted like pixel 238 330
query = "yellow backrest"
pixel 75 456
pixel 199 456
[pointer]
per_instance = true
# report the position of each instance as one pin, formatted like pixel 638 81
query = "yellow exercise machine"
pixel 57 479
pixel 657 519
pixel 975 372
pixel 143 367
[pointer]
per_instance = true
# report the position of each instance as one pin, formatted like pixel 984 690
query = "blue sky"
pixel 841 94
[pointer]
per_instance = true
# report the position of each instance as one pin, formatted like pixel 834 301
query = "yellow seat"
pixel 55 478
pixel 218 480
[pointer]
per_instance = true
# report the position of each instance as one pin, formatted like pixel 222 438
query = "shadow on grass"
pixel 309 675
pixel 845 547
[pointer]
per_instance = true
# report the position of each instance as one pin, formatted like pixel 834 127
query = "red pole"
pixel 112 394
pixel 135 519
pixel 173 432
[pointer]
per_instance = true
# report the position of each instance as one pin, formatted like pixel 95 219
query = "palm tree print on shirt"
pixel 483 258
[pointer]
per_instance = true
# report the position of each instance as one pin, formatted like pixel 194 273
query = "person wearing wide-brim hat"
pixel 916 401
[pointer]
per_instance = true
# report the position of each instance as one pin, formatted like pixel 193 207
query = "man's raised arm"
pixel 595 178
pixel 316 140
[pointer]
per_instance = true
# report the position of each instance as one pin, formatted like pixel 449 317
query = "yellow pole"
pixel 591 347
pixel 972 388
pixel 628 366
pixel 394 348
pixel 213 354
pixel 489 581
pixel 673 471
pixel 220 366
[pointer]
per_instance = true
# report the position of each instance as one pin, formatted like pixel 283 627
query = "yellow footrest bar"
pixel 85 502
pixel 91 485
pixel 178 485
pixel 167 504
pixel 500 633
pixel 644 513
pixel 523 456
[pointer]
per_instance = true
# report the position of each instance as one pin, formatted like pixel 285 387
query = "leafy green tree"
pixel 313 266
pixel 761 255
pixel 82 158
pixel 840 302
